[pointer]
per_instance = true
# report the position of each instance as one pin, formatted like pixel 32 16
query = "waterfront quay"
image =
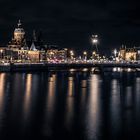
pixel 23 54
pixel 95 67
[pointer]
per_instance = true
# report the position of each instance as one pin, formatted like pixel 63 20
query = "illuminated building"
pixel 128 54
pixel 55 53
pixel 18 41
pixel 17 47
pixel 20 49
pixel 33 55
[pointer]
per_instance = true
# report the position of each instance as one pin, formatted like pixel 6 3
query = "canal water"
pixel 70 105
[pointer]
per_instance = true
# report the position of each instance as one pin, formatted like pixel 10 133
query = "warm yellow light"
pixel 71 53
pixel 2 81
pixel 51 53
pixel 85 53
pixel 93 52
pixel 94 40
pixel 70 86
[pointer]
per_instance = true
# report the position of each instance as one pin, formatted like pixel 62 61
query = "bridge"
pixel 64 66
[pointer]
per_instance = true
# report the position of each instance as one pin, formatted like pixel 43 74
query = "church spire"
pixel 33 47
pixel 34 36
pixel 19 23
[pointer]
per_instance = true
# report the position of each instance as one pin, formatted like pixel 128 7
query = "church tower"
pixel 18 41
pixel 19 33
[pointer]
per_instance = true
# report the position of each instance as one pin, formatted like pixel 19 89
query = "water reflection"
pixel 2 98
pixel 84 92
pixel 115 125
pixel 93 108
pixel 70 86
pixel 84 84
pixel 50 103
pixel 27 96
pixel 51 93
pixel 137 91
pixel 70 105
pixel 2 88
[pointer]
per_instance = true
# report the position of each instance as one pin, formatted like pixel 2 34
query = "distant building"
pixel 55 53
pixel 34 50
pixel 128 54
pixel 18 41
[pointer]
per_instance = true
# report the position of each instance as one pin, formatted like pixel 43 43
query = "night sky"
pixel 71 23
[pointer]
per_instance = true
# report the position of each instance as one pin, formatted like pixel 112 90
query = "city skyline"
pixel 69 70
pixel 71 24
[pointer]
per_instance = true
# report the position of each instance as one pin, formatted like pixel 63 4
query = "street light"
pixel 95 41
pixel 115 53
pixel 71 54
pixel 1 51
pixel 94 55
pixel 85 55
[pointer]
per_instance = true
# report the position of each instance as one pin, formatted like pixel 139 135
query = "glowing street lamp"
pixel 85 55
pixel 1 51
pixel 95 41
pixel 71 54
pixel 115 53
pixel 94 53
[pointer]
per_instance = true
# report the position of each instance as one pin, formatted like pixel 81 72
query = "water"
pixel 69 105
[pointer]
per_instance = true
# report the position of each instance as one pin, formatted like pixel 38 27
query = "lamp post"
pixel 115 53
pixel 95 41
pixel 93 54
pixel 66 54
pixel 85 55
pixel 71 55
pixel 1 51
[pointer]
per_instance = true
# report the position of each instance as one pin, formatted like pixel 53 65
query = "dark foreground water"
pixel 69 105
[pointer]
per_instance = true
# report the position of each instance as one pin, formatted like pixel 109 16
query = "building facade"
pixel 128 54
pixel 19 49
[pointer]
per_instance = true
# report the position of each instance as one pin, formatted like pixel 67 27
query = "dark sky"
pixel 70 23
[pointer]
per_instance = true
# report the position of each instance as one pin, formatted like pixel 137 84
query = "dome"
pixel 19 29
pixel 19 32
